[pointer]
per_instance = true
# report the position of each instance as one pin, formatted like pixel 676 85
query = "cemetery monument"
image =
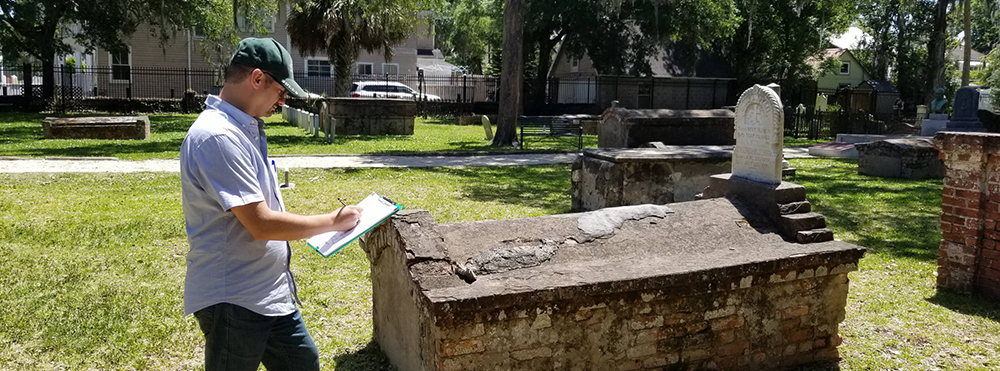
pixel 720 283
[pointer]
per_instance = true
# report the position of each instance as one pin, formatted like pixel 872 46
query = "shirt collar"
pixel 249 123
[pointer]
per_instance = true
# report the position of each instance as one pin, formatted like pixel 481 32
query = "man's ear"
pixel 257 78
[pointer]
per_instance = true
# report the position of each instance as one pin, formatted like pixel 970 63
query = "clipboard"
pixel 376 209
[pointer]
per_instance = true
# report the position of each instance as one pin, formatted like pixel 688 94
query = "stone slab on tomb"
pixel 630 128
pixel 666 174
pixel 834 149
pixel 865 138
pixel 690 285
pixel 97 127
pixel 910 158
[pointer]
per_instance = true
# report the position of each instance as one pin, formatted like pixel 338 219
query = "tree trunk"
pixel 901 71
pixel 935 51
pixel 511 75
pixel 967 49
pixel 48 77
pixel 542 71
pixel 341 75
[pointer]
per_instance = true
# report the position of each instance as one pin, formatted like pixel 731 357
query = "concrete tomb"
pixel 628 128
pixel 105 127
pixel 709 284
pixel 911 158
pixel 370 116
pixel 666 174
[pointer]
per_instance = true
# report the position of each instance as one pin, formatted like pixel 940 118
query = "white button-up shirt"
pixel 223 165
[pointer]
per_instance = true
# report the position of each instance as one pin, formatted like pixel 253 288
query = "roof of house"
pixel 880 86
pixel 959 54
pixel 831 52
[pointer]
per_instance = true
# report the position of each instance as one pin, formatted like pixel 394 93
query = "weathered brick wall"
pixel 969 256
pixel 757 322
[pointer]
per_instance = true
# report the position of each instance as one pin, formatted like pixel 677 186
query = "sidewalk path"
pixel 111 165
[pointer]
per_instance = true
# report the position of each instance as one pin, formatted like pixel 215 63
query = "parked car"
pixel 387 89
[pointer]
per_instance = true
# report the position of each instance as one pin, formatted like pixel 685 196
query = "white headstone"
pixel 759 132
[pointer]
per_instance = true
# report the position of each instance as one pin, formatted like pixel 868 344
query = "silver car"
pixel 387 89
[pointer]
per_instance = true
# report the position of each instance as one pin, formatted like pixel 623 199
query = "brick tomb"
pixel 969 255
pixel 713 283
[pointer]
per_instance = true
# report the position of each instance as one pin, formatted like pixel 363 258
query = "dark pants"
pixel 237 338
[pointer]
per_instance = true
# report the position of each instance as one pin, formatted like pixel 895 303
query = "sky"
pixel 849 40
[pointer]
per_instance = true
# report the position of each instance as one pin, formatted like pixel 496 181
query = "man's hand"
pixel 346 217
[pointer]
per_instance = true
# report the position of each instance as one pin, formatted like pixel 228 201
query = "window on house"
pixel 574 65
pixel 121 66
pixel 318 67
pixel 365 69
pixel 845 68
pixel 390 68
pixel 267 19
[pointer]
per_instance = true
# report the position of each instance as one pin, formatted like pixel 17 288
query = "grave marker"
pixel 759 132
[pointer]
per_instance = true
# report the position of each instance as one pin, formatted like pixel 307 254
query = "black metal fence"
pixel 78 88
pixel 812 124
pixel 641 92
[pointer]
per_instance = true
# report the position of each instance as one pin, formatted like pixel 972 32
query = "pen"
pixel 341 201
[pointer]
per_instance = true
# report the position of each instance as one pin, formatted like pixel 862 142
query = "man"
pixel 239 284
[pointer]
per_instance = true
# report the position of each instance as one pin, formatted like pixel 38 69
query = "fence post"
pixel 187 79
pixel 687 95
pixel 464 95
pixel 714 92
pixel 26 89
pixel 652 91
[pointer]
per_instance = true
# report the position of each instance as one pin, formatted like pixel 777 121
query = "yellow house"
pixel 849 73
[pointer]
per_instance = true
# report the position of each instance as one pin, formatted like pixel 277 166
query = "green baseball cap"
pixel 269 56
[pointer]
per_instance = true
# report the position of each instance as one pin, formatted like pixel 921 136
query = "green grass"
pixel 21 135
pixel 94 264
pixel 896 318
pixel 789 141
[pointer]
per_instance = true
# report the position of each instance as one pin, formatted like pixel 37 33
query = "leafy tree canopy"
pixel 342 28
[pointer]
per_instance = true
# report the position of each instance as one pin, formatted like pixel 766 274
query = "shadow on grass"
pixel 907 224
pixel 545 187
pixel 369 358
pixel 968 304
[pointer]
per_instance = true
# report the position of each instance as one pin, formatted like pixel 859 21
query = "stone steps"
pixel 814 235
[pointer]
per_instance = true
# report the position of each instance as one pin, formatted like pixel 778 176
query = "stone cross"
pixel 759 132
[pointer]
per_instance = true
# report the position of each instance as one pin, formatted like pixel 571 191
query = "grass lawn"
pixel 94 264
pixel 789 141
pixel 21 135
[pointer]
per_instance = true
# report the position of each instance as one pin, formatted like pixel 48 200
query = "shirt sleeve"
pixel 227 171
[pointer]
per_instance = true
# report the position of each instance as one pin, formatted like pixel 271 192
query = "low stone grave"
pixel 100 127
pixel 707 284
pixel 834 149
pixel 630 128
pixel 910 158
pixel 371 116
pixel 666 174
pixel 933 124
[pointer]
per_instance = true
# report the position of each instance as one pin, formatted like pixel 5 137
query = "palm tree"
pixel 342 28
